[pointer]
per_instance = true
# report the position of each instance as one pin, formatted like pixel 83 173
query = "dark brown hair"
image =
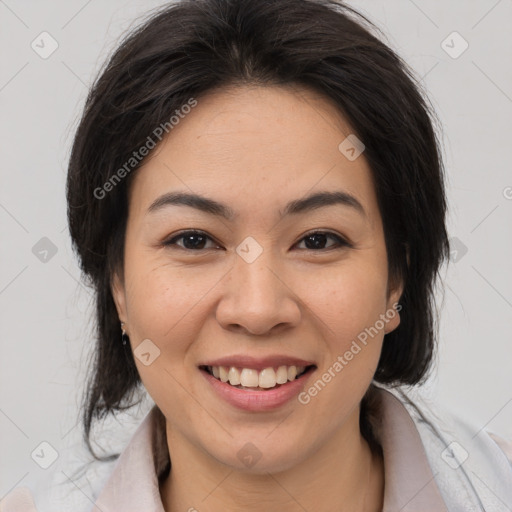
pixel 191 47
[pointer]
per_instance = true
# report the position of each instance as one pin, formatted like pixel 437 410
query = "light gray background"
pixel 45 311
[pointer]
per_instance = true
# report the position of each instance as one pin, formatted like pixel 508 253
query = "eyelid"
pixel 171 241
pixel 342 241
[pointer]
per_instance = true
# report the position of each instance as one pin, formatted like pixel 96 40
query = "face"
pixel 266 280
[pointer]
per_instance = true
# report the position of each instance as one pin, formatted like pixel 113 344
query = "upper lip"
pixel 257 363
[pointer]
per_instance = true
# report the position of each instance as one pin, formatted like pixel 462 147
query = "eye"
pixel 192 240
pixel 317 240
pixel 197 241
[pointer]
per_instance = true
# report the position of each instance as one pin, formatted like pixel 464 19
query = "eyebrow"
pixel 295 207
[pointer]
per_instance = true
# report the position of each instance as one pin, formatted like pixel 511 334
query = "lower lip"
pixel 256 401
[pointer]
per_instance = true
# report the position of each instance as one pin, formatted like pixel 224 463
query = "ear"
pixel 118 294
pixel 393 307
pixel 395 290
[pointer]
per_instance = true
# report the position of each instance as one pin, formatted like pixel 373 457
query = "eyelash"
pixel 340 241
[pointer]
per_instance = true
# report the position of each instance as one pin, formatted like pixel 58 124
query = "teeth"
pixel 282 375
pixel 223 373
pixel 250 378
pixel 234 376
pixel 267 378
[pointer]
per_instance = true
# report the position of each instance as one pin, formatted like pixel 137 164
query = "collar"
pixel 409 481
pixel 409 484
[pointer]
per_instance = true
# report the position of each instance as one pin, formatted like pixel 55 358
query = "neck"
pixel 341 476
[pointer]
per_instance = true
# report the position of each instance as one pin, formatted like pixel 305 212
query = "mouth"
pixel 251 379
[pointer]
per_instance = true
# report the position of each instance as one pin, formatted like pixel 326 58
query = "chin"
pixel 258 454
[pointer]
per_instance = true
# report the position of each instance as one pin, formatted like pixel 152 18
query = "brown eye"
pixel 318 240
pixel 198 240
pixel 192 240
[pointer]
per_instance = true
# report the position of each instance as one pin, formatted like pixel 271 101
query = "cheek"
pixel 165 306
pixel 162 299
pixel 347 299
pixel 348 306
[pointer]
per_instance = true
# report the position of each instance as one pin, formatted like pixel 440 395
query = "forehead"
pixel 248 144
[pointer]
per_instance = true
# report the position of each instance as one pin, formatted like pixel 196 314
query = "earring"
pixel 124 336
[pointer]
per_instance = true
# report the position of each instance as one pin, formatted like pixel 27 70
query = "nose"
pixel 257 299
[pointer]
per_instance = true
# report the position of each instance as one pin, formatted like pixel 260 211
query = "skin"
pixel 255 149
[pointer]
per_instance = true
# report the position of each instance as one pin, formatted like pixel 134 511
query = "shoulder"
pixel 471 465
pixel 19 500
pixel 504 444
pixel 436 421
pixel 70 483
pixel 62 488
pixel 76 479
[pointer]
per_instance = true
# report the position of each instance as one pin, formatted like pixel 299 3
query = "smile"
pixel 256 391
pixel 251 379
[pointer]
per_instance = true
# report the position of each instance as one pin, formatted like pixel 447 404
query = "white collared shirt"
pixel 429 465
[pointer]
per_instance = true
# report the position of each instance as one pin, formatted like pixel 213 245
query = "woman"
pixel 256 195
